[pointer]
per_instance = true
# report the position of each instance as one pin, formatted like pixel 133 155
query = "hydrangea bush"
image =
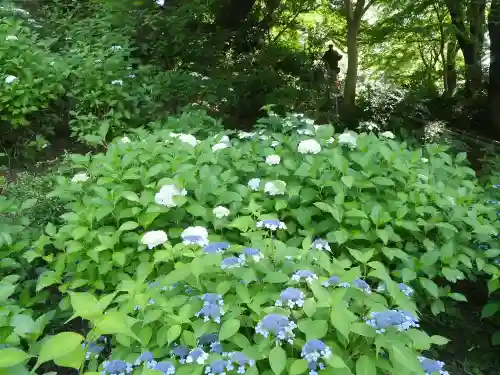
pixel 366 199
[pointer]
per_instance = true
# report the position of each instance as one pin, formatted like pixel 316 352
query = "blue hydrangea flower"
pixel 217 367
pixel 492 202
pixel 93 350
pixel 399 319
pixel 306 275
pixel 291 297
pixel 147 358
pixel 278 326
pixel 151 301
pixel 194 240
pixel 232 262
pixel 153 284
pixel 332 281
pixel 363 285
pixel 272 225
pixel 210 311
pixel 212 298
pixel 407 290
pixel 496 186
pixel 116 367
pixel 255 254
pixel 431 367
pixel 165 367
pixel 320 244
pixel 181 352
pixel 211 340
pixel 197 355
pixel 216 247
pixel 314 351
pixel 241 360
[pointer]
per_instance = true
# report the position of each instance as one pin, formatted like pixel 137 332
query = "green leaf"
pixel 277 359
pixel 131 196
pixel 430 286
pixel 340 236
pixel 197 210
pixel 57 346
pixel 73 359
pixel 11 357
pixel 298 367
pixel 365 366
pixel 341 318
pixel 309 307
pixel 439 340
pixel 276 278
pixel 129 225
pixel 229 328
pixel 115 322
pixel 347 180
pixel 405 357
pixel 85 305
pixel 383 181
pixel 490 309
pixel 458 297
pixel 173 332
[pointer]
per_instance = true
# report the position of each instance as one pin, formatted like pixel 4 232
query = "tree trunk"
pixel 451 67
pixel 353 15
pixel 494 82
pixel 470 41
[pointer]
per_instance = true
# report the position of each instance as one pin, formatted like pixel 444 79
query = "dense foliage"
pixel 236 208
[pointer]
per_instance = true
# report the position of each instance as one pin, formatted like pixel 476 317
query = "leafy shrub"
pixel 415 211
pixel 30 79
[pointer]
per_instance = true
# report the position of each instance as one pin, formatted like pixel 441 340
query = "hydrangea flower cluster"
pixel 332 281
pixel 241 361
pixel 197 355
pixel 254 184
pixel 399 319
pixel 147 358
pixel 211 309
pixel 154 238
pixel 93 350
pixel 304 275
pixel 278 326
pixel 216 247
pixel 272 225
pixel 181 352
pixel 116 367
pixel 195 236
pixel 313 352
pixel 431 366
pixel 210 340
pixel 320 244
pixel 252 253
pixel 166 195
pixel 291 297
pixel 358 283
pixel 232 262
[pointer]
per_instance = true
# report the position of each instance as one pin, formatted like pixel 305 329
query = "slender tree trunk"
pixel 494 81
pixel 470 41
pixel 451 67
pixel 354 13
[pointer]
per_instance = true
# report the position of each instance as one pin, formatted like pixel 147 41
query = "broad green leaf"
pixel 298 367
pixel 57 346
pixel 11 357
pixel 173 333
pixel 365 366
pixel 229 328
pixel 85 305
pixel 277 359
pixel 115 322
pixel 430 286
pixel 73 359
pixel 439 340
pixel 348 181
pixel 341 318
pixel 129 225
pixel 131 196
pixel 276 278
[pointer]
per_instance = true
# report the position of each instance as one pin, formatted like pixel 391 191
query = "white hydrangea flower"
pixel 254 184
pixel 165 196
pixel 275 144
pixel 117 82
pixel 277 187
pixel 80 177
pixel 424 160
pixel 387 134
pixel 125 140
pixel 195 236
pixel 11 37
pixel 246 135
pixel 188 138
pixel 221 212
pixel 160 2
pixel 10 78
pixel 273 159
pixel 330 140
pixel 305 132
pixel 219 146
pixel 309 146
pixel 347 138
pixel 116 48
pixel 154 238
